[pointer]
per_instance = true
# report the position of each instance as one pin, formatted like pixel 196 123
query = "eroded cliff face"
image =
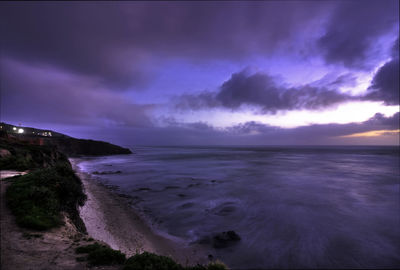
pixel 21 155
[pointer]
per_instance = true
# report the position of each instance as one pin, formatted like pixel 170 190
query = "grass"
pixel 37 198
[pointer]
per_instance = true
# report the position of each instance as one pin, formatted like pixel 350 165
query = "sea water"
pixel 293 207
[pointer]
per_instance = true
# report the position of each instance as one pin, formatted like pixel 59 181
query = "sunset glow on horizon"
pixel 373 133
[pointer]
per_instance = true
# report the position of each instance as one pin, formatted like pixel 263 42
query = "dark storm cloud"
pixel 379 121
pixel 119 42
pixel 385 84
pixel 354 28
pixel 37 94
pixel 262 90
pixel 83 38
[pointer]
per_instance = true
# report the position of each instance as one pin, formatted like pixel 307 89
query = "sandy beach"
pixel 110 219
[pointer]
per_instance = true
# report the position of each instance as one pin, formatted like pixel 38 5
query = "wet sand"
pixel 109 218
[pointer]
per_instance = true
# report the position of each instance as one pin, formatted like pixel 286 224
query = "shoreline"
pixel 110 219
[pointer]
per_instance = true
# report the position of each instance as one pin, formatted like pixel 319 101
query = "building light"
pixel 20 130
pixel 14 128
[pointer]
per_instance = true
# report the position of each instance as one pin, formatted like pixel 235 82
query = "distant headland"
pixel 68 145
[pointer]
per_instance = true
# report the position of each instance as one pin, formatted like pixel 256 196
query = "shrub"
pixel 37 198
pixel 88 248
pixel 217 265
pixel 150 261
pixel 101 254
pixel 106 256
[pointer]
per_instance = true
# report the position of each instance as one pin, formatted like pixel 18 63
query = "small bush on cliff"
pixel 37 198
pixel 101 254
pixel 88 248
pixel 217 265
pixel 150 261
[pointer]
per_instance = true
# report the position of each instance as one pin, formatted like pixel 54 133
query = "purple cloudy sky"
pixel 228 72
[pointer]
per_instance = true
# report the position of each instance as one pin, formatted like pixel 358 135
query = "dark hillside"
pixel 68 145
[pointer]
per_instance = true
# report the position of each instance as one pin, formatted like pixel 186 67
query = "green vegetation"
pixel 101 255
pixel 150 261
pixel 37 198
pixel 217 265
pixel 88 248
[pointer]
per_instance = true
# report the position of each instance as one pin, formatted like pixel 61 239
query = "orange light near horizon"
pixel 373 133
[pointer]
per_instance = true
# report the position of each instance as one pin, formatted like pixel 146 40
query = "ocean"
pixel 293 207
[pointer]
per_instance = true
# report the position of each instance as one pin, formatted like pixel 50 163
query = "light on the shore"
pixel 14 128
pixel 20 130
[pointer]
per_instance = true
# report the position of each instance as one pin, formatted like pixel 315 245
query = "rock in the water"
pixel 225 239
